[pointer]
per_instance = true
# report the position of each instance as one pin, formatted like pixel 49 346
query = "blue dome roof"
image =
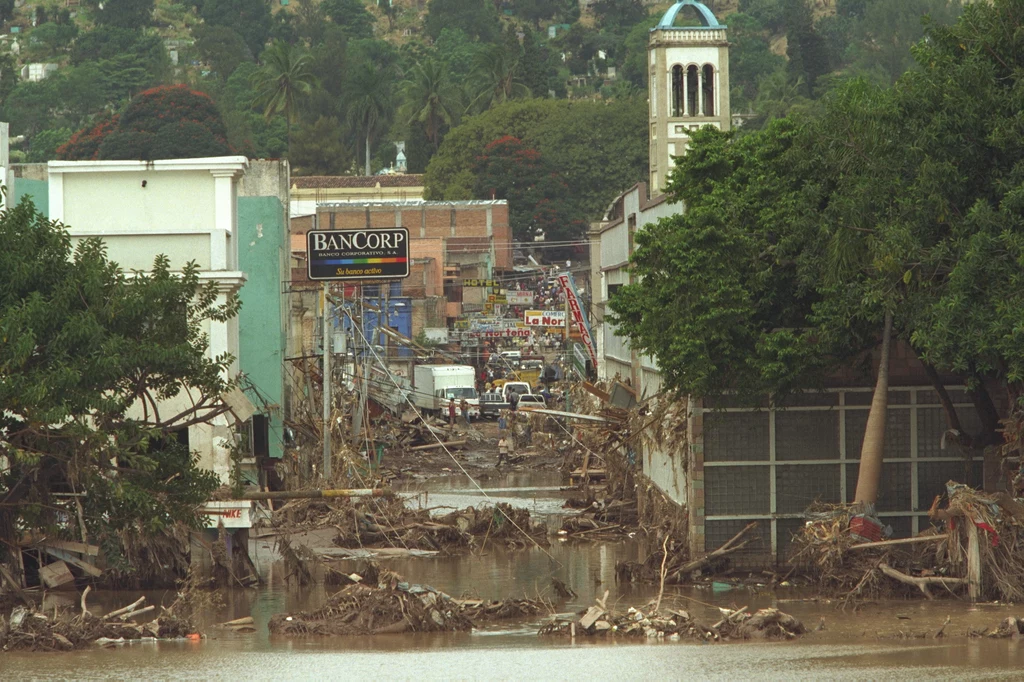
pixel 707 17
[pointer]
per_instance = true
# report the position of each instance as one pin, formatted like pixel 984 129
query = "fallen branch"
pixel 920 583
pixel 131 607
pixel 728 548
pixel 85 593
pixel 902 541
pixel 432 446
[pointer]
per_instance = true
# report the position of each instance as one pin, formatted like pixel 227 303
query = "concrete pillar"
pixel 701 108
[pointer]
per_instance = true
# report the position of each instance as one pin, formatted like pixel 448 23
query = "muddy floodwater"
pixel 881 641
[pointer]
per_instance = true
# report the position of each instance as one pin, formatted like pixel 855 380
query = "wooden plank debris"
pixel 56 574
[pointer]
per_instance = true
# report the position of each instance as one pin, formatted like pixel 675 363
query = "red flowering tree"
pixel 167 122
pixel 85 144
pixel 539 201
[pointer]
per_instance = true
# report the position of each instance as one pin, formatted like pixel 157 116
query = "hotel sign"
pixel 358 254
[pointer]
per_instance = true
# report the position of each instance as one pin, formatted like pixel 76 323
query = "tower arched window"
pixel 692 91
pixel 677 90
pixel 708 87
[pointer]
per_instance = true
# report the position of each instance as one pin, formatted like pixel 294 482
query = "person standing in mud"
pixel 502 450
pixel 464 409
pixel 451 412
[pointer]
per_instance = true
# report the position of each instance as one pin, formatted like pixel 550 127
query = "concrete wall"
pixel 29 180
pixel 263 254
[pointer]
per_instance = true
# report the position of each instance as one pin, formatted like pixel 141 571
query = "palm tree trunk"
pixel 871 452
pixel 367 151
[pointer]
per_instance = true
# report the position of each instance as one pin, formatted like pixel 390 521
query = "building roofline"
pixel 418 203
pixel 212 163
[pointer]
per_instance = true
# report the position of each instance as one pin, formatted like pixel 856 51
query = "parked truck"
pixel 435 385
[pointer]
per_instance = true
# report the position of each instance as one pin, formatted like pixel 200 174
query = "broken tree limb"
pixel 85 593
pixel 902 541
pixel 727 548
pixel 434 446
pixel 920 583
pixel 131 607
pixel 313 494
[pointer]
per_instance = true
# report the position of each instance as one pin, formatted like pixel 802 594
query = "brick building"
pixel 448 241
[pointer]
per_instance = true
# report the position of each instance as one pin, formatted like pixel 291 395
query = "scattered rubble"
pixel 673 624
pixel 392 606
pixel 28 629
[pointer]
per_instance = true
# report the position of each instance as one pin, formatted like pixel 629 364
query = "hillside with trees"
pixel 333 84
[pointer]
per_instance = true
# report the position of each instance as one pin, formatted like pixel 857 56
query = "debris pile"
pixel 678 624
pixel 976 548
pixel 395 606
pixel 671 564
pixel 28 629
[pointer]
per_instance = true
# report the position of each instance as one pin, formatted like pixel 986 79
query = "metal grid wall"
pixel 768 465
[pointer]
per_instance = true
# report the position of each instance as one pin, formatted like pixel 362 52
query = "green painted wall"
pixel 38 190
pixel 262 253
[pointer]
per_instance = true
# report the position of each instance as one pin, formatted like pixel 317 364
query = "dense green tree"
pixel 633 62
pixel 319 149
pixel 130 14
pixel 598 148
pixel 44 144
pixel 85 343
pixel 497 77
pixel 221 48
pixel 770 13
pixel 750 59
pixel 311 20
pixel 457 51
pixel 893 209
pixel 283 81
pixel 53 37
pixel 540 201
pixel 250 18
pixel 477 19
pixel 433 101
pixel 885 32
pixel 806 49
pixel 619 16
pixel 535 11
pixel 6 10
pixel 351 16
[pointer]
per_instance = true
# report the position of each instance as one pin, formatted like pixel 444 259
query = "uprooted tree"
pixel 897 207
pixel 91 360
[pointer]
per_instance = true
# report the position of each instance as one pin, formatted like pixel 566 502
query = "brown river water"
pixel 878 642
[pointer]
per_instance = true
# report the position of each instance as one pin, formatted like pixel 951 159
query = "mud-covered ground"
pixel 479 459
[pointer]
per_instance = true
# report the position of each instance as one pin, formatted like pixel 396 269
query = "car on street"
pixel 531 400
pixel 491 404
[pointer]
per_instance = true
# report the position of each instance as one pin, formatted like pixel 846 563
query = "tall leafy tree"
pixel 370 103
pixel 131 14
pixel 477 19
pixel 805 47
pixel 283 81
pixel 351 16
pixel 89 353
pixel 250 18
pixel 432 99
pixel 497 77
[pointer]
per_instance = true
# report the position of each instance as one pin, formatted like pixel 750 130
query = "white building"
pixel 185 209
pixel 37 71
pixel 689 89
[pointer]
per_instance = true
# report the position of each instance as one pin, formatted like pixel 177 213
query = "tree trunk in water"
pixel 870 471
pixel 367 152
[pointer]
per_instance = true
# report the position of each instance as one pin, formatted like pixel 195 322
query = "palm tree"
pixel 496 77
pixel 431 99
pixel 370 102
pixel 285 78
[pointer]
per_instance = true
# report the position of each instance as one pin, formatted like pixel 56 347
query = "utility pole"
pixel 328 322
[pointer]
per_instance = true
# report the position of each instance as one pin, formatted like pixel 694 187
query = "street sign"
pixel 481 283
pixel 544 318
pixel 358 254
pixel 519 298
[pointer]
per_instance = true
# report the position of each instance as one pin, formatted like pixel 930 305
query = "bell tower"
pixel 689 84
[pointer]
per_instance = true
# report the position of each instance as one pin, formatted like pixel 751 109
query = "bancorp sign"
pixel 544 318
pixel 358 254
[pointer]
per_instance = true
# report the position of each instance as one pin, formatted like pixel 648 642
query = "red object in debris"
pixel 865 528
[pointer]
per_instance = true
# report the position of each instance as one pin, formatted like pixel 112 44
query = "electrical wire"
pixel 457 462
